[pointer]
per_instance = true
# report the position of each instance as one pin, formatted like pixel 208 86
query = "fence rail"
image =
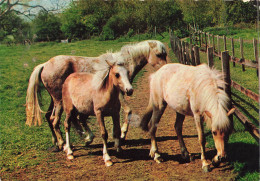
pixel 205 41
pixel 189 54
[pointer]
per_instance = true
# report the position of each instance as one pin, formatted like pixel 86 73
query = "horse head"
pixel 158 54
pixel 120 77
pixel 220 137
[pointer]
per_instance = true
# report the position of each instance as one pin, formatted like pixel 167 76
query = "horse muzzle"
pixel 218 159
pixel 129 91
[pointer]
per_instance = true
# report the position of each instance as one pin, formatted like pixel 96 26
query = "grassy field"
pixel 22 146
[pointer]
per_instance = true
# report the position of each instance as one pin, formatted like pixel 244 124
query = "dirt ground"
pixel 134 162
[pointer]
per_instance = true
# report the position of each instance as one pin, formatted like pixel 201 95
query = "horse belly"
pixel 84 106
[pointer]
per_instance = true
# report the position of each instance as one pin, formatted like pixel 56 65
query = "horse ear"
pixel 231 111
pixel 208 114
pixel 152 44
pixel 111 65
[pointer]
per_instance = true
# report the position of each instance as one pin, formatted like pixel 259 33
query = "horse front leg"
pixel 178 128
pixel 127 116
pixel 104 135
pixel 117 131
pixel 202 142
pixel 156 116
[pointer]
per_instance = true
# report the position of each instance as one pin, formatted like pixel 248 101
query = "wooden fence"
pixel 189 54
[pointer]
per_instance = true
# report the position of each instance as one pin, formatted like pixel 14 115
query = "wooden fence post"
pixel 180 51
pixel 225 42
pixel 233 51
pixel 199 39
pixel 210 57
pixel 209 39
pixel 242 54
pixel 218 45
pixel 187 57
pixel 197 55
pixel 256 52
pixel 206 43
pixel 213 42
pixel 192 56
pixel 183 52
pixel 226 70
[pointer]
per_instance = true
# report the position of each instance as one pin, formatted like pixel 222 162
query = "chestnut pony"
pixel 195 91
pixel 54 72
pixel 85 94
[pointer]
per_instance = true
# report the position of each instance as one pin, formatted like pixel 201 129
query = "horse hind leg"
pixel 178 128
pixel 56 124
pixel 49 120
pixel 89 134
pixel 67 125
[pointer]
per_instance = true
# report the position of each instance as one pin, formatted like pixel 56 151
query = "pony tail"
pixel 33 110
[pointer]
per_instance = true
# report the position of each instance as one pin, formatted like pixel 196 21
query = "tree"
pixel 13 26
pixel 48 26
pixel 24 8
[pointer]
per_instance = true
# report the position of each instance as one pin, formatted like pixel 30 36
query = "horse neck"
pixel 137 60
pixel 109 88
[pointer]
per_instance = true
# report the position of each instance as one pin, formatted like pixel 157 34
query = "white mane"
pixel 102 68
pixel 132 51
pixel 212 97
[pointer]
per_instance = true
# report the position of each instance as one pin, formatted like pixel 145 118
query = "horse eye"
pixel 214 132
pixel 117 75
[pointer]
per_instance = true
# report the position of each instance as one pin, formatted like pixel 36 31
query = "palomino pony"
pixel 86 95
pixel 54 72
pixel 195 91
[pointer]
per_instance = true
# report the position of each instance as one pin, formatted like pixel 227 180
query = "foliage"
pixel 239 11
pixel 47 26
pixel 216 12
pixel 112 19
pixel 13 25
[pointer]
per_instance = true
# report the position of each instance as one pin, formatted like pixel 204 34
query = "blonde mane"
pixel 212 97
pixel 102 68
pixel 132 51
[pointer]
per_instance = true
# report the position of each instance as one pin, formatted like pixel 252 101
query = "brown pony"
pixel 195 91
pixel 54 72
pixel 86 95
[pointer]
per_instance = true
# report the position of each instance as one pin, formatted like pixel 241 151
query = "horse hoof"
pixel 215 164
pixel 119 150
pixel 192 158
pixel 108 163
pixel 206 169
pixel 70 157
pixel 54 149
pixel 87 143
pixel 159 160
